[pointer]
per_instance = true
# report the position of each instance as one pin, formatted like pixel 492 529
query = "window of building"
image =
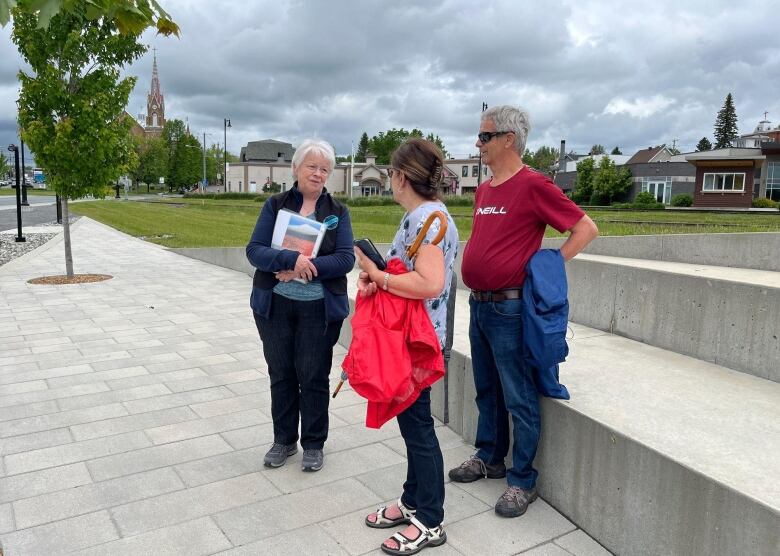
pixel 464 171
pixel 724 182
pixel 773 181
pixel 475 171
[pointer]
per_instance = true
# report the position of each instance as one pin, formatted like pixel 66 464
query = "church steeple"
pixel 155 103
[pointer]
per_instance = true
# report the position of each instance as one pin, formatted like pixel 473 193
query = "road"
pixel 40 211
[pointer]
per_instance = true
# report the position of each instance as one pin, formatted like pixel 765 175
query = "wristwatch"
pixel 385 281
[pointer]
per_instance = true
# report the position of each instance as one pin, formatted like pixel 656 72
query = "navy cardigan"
pixel 335 258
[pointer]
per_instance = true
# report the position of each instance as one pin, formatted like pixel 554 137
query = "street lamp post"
pixel 224 160
pixel 24 180
pixel 479 172
pixel 19 237
pixel 204 163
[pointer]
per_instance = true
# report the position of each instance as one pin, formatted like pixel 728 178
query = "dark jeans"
pixel 505 386
pixel 424 486
pixel 298 348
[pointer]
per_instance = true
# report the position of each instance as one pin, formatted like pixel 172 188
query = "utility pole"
pixel 479 172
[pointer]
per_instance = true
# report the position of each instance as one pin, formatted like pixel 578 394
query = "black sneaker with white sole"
pixel 312 460
pixel 278 454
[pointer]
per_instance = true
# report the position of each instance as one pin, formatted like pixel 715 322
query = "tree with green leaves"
pixel 610 180
pixel 598 149
pixel 360 155
pixel 186 167
pixel 543 159
pixel 5 166
pixel 72 103
pixel 616 150
pixel 152 161
pixel 384 143
pixel 703 145
pixel 129 17
pixel 726 124
pixel 583 183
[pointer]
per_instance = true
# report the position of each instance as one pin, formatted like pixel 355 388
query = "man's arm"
pixel 580 235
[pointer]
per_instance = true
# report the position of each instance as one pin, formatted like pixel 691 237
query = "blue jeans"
pixel 424 486
pixel 505 386
pixel 298 348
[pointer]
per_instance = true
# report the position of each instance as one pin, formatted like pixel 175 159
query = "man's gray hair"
pixel 316 147
pixel 510 118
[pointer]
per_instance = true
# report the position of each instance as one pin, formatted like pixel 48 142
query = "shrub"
pixel 682 200
pixel 226 196
pixel 645 198
pixel 764 203
pixel 622 205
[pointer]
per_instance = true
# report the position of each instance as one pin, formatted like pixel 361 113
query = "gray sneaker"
pixel 514 502
pixel 474 468
pixel 278 454
pixel 312 460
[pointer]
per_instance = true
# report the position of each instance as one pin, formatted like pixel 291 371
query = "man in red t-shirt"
pixel 511 212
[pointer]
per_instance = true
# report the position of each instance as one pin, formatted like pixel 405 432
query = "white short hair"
pixel 316 147
pixel 510 118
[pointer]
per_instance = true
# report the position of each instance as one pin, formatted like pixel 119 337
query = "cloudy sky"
pixel 631 74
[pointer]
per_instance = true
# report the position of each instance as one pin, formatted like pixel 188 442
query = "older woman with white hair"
pixel 299 303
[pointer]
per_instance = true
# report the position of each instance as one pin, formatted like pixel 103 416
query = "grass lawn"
pixel 10 191
pixel 222 223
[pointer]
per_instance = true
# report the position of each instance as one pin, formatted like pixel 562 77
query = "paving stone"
pixel 306 540
pixel 27 410
pixel 231 405
pixel 192 503
pixel 204 427
pixel 52 394
pixel 277 515
pixel 100 376
pixel 248 437
pixel 176 400
pixel 127 361
pixel 351 436
pixel 53 420
pixel 224 466
pixel 96 496
pixel 159 378
pixel 209 381
pixel 109 396
pixel 25 485
pixel 154 457
pixel 135 422
pixel 75 451
pixel 20 374
pixel 501 536
pixel 61 537
pixel 546 549
pixel 339 465
pixel 6 518
pixel 580 544
pixel 195 538
pixel 22 387
pixel 250 387
pixel 34 441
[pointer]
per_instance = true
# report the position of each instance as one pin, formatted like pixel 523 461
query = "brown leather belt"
pixel 497 295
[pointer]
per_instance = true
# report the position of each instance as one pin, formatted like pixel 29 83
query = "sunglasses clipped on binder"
pixel 370 251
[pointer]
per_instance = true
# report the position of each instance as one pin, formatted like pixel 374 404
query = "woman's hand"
pixel 304 268
pixel 285 275
pixel 365 285
pixel 364 263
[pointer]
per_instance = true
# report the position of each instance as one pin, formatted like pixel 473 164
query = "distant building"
pixel 269 161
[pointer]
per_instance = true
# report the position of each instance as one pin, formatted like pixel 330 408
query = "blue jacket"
pixel 545 318
pixel 334 260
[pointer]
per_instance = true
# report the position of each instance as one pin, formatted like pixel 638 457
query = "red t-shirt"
pixel 509 223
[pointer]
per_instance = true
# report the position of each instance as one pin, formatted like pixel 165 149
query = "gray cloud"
pixel 589 72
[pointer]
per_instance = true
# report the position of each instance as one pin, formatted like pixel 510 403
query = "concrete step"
pixel 728 316
pixel 656 452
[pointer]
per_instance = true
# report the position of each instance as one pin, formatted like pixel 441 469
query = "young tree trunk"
pixel 66 236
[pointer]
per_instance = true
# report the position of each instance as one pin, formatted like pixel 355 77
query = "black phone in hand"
pixel 370 251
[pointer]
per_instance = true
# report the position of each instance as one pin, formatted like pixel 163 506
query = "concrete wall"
pixel 729 323
pixel 745 250
pixel 233 258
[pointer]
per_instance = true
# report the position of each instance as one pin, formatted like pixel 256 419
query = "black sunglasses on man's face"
pixel 486 136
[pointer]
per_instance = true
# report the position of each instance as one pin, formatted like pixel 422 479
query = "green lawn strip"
pixel 11 191
pixel 176 222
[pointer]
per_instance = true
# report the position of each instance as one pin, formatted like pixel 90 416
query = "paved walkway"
pixel 134 414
